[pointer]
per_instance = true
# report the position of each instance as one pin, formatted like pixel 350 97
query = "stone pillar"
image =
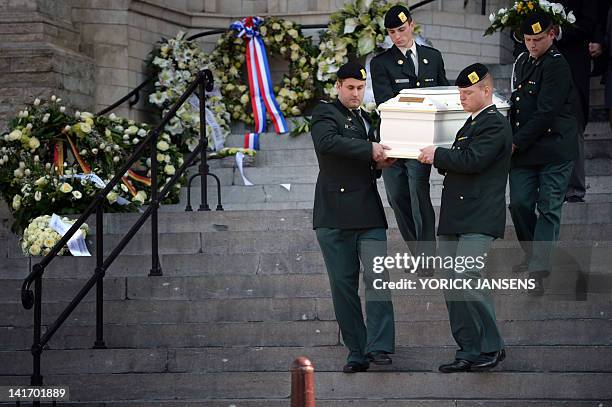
pixel 40 55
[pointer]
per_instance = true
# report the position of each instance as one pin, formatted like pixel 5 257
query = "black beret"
pixel 471 75
pixel 536 23
pixel 352 70
pixel 396 16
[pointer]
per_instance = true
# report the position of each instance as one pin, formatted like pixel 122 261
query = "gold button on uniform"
pixel 460 197
pixel 341 189
pixel 418 83
pixel 518 98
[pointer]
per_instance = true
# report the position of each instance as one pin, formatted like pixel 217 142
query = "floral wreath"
pixel 176 63
pixel 281 37
pixel 357 29
pixel 513 17
pixel 55 162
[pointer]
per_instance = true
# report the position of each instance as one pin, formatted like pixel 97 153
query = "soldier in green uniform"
pixel 544 145
pixel 472 215
pixel 403 66
pixel 349 218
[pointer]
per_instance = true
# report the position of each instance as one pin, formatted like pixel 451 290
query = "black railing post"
pixel 203 167
pixel 36 379
pixel 155 266
pixel 99 344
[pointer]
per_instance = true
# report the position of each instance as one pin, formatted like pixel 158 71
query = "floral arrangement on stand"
pixel 55 162
pixel 176 63
pixel 283 38
pixel 513 16
pixel 39 237
pixel 357 29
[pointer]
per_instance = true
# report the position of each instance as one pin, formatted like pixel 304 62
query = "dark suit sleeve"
pixel 479 155
pixel 554 91
pixel 327 139
pixel 442 81
pixel 586 23
pixel 381 82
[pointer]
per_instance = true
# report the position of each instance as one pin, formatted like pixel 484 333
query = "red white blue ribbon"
pixel 260 81
pixel 251 140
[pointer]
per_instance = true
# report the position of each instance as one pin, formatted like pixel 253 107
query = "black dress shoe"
pixel 488 361
pixel 459 365
pixel 538 289
pixel 354 367
pixel 379 358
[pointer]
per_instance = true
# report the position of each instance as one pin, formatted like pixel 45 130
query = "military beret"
pixel 471 75
pixel 396 16
pixel 536 23
pixel 352 70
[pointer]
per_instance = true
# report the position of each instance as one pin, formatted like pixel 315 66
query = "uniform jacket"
pixel 476 171
pixel 389 75
pixel 543 124
pixel 346 196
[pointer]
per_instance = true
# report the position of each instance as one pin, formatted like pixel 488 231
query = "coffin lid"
pixel 434 99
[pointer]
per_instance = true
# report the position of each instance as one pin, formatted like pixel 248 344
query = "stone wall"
pixel 40 55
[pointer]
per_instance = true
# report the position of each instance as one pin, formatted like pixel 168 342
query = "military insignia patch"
pixel 473 77
pixel 363 73
pixel 402 17
pixel 537 28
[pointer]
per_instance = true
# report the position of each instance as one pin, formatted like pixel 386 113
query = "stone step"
pixel 332 385
pixel 273 141
pixel 289 241
pixel 304 333
pixel 278 285
pixel 271 195
pixel 430 307
pixel 278 359
pixel 396 402
pixel 222 221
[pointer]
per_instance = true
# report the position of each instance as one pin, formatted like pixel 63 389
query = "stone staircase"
pixel 244 293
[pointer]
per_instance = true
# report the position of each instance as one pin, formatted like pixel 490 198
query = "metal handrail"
pixel 31 298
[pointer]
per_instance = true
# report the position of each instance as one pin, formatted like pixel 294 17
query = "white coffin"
pixel 418 118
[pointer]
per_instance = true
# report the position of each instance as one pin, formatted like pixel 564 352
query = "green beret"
pixel 396 16
pixel 471 75
pixel 352 70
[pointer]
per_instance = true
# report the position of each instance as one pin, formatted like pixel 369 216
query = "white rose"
pixel 15 135
pixel 85 128
pixel 37 196
pixel 169 169
pixel 53 98
pixel 112 197
pixel 62 109
pixel 35 250
pixel 17 202
pixel 40 181
pixel 491 18
pixel 131 130
pixel 46 118
pixel 36 102
pixel 163 145
pixel 571 17
pixel 77 194
pixel 65 188
pixel 94 150
pixel 33 143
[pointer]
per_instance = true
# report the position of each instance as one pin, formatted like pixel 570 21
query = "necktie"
pixel 410 61
pixel 357 115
